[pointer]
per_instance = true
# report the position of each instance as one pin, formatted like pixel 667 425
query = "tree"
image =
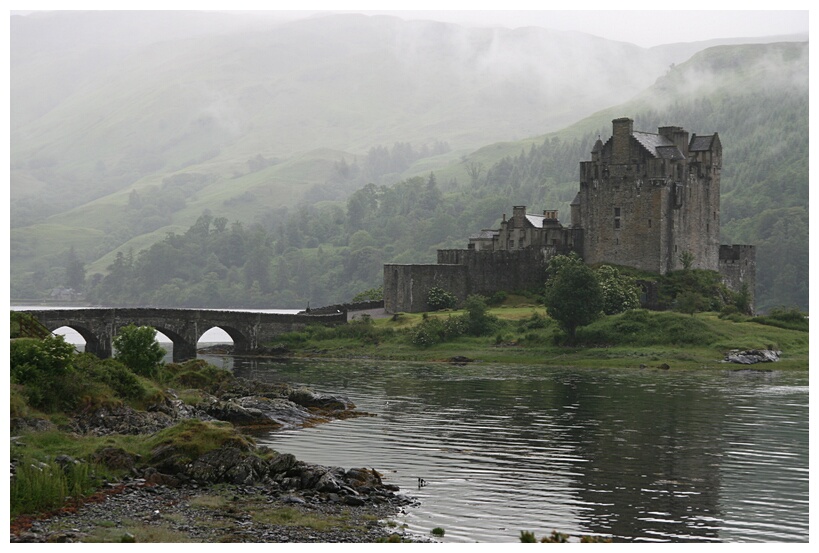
pixel 573 295
pixel 137 348
pixel 619 291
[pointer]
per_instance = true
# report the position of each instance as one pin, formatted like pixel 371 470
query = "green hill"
pixel 281 126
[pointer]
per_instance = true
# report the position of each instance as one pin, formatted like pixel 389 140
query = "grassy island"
pixel 519 331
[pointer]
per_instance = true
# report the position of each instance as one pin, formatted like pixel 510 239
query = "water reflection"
pixel 638 455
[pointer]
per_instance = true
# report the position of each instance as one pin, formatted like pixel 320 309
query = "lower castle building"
pixel 648 201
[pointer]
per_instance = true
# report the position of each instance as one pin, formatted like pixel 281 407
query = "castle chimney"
pixel 621 140
pixel 519 214
pixel 677 135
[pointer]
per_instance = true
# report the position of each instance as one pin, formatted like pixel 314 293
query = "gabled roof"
pixel 658 145
pixel 702 143
pixel 535 220
pixel 669 152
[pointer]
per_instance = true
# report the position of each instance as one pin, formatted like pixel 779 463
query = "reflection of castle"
pixel 648 201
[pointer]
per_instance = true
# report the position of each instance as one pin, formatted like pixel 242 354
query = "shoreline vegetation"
pixel 519 331
pixel 133 450
pixel 106 452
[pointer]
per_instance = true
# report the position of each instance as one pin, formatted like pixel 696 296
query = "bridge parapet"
pixel 249 330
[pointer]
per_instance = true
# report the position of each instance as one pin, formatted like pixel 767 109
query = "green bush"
pixel 438 298
pixel 124 383
pixel 784 317
pixel 477 321
pixel 640 327
pixel 694 290
pixel 43 368
pixel 620 292
pixel 136 346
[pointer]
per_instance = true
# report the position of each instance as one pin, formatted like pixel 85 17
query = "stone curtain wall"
pixel 462 273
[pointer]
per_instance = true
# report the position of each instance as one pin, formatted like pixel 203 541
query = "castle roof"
pixel 652 142
pixel 535 220
pixel 484 235
pixel 669 152
pixel 702 143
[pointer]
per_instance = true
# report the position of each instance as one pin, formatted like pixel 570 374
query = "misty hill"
pixel 268 122
pixel 103 100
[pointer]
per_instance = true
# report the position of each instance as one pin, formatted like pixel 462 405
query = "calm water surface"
pixel 640 455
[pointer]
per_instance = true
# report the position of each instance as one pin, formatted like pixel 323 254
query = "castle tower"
pixel 651 201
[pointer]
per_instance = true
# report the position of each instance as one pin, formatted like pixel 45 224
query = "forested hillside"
pixel 254 222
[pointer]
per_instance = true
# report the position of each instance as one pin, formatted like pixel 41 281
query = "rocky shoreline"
pixel 231 514
pixel 238 492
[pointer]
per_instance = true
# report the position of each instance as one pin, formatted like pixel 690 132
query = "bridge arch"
pixel 93 344
pixel 240 340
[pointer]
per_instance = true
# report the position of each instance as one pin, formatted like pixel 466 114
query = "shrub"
pixel 620 292
pixel 497 298
pixel 119 378
pixel 428 333
pixel 43 368
pixel 477 321
pixel 438 298
pixel 784 317
pixel 534 322
pixel 137 348
pixel 37 487
pixel 643 328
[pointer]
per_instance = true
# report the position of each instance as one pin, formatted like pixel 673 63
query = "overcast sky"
pixel 644 28
pixel 633 23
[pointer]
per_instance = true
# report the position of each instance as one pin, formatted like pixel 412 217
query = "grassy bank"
pixel 517 332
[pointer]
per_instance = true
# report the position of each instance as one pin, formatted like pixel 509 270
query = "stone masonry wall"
pixel 462 273
pixel 737 265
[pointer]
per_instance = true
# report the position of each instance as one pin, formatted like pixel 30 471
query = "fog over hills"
pixel 127 125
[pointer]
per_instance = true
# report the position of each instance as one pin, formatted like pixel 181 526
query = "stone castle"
pixel 648 201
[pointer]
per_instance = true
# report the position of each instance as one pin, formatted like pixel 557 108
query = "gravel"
pixel 137 512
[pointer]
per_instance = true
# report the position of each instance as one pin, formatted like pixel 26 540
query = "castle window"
pixel 649 223
pixel 616 217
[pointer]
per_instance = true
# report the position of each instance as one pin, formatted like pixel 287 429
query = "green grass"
pixel 528 336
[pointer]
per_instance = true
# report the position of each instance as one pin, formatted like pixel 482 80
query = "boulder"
pixel 120 420
pixel 752 356
pixel 227 464
pixel 239 412
pixel 308 398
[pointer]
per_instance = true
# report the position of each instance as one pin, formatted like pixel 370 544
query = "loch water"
pixel 635 455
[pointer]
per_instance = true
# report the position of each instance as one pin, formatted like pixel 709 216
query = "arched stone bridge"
pixel 184 327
